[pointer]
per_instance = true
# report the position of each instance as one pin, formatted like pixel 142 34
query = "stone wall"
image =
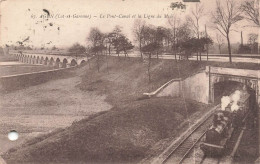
pixel 14 82
pixel 195 87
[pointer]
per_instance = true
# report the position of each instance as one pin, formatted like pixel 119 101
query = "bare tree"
pixel 196 14
pixel 220 41
pixel 251 11
pixel 224 17
pixel 138 31
pixel 175 24
pixel 96 38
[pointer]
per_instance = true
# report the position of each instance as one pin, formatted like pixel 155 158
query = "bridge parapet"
pixel 233 72
pixel 48 59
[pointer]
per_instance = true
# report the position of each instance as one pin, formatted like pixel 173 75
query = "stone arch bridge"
pixel 57 61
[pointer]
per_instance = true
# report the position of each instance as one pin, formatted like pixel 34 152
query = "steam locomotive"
pixel 226 119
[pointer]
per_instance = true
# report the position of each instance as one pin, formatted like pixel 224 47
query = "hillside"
pixel 133 129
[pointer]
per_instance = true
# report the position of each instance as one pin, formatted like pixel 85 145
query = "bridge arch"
pixel 57 63
pixel 46 60
pixel 28 59
pixel 19 57
pixel 73 62
pixel 64 63
pixel 22 58
pixel 82 62
pixel 51 62
pixel 38 60
pixel 42 60
pixel 34 60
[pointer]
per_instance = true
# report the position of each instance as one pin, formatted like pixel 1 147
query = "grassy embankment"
pixel 133 129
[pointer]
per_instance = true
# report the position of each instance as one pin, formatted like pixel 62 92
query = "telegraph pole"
pixel 207 48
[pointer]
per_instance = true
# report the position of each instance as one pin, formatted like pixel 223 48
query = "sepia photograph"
pixel 129 82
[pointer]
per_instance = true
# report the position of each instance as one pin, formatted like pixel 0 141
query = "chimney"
pixel 241 38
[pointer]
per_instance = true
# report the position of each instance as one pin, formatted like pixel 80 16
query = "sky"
pixel 64 27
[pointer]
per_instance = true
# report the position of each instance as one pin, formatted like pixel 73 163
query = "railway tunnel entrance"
pixel 224 88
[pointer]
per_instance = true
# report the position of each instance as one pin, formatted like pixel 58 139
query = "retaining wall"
pixel 195 87
pixel 19 81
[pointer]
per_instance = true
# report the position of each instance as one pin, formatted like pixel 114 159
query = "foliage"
pixel 177 5
pixel 244 49
pixel 252 38
pixel 150 48
pixel 95 37
pixel 97 49
pixel 193 45
pixel 77 49
pixel 121 43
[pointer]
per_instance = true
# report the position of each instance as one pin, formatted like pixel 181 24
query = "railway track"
pixel 180 151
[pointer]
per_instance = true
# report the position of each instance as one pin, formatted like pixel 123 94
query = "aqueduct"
pixel 58 61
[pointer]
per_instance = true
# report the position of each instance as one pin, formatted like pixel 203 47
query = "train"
pixel 229 117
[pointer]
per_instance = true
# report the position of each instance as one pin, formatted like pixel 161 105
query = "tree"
pixel 77 50
pixel 196 15
pixel 251 12
pixel 149 34
pixel 252 38
pixel 160 36
pixel 96 38
pixel 54 48
pixel 109 40
pixel 177 5
pixel 192 45
pixel 97 50
pixel 252 41
pixel 174 23
pixel 182 35
pixel 203 43
pixel 150 48
pixel 121 43
pixel 117 33
pixel 138 31
pixel 244 49
pixel 220 41
pixel 224 17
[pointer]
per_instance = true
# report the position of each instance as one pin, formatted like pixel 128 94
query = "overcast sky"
pixel 21 19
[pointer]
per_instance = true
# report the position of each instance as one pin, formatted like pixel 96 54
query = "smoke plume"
pixel 235 99
pixel 225 100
